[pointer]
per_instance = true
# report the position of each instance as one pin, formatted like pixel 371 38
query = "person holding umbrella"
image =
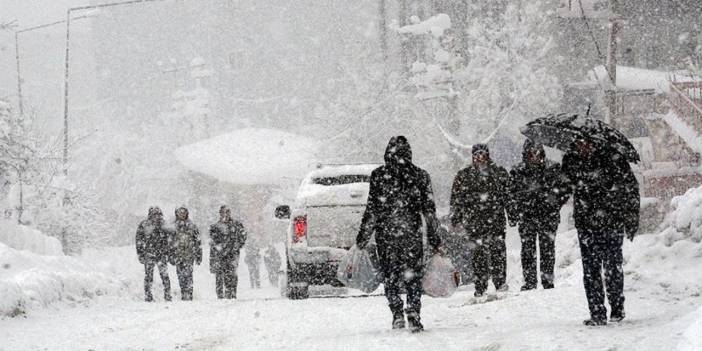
pixel 537 193
pixel 606 202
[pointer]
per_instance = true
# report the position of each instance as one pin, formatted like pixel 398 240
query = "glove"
pixel 631 233
pixel 141 260
pixel 439 251
pixel 362 245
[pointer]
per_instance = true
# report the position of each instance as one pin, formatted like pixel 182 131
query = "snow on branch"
pixel 435 25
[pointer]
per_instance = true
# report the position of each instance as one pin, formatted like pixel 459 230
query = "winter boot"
pixel 595 322
pixel 503 288
pixel 167 295
pixel 617 316
pixel 478 294
pixel 547 285
pixel 415 325
pixel 527 287
pixel 398 319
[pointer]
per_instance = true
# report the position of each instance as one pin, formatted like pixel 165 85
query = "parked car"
pixel 324 221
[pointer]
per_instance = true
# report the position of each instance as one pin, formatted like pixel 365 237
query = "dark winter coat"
pixel 400 194
pixel 186 243
pixel 272 259
pixel 253 253
pixel 537 192
pixel 226 241
pixel 606 193
pixel 152 241
pixel 479 199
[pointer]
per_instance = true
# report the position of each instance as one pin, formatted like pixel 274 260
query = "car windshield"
pixel 342 179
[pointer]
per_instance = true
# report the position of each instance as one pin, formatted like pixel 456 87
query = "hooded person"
pixel 400 195
pixel 186 251
pixel 253 262
pixel 227 237
pixel 606 205
pixel 479 198
pixel 537 193
pixel 152 250
pixel 272 260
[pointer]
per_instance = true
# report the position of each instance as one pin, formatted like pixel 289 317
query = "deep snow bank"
pixel 29 280
pixel 21 237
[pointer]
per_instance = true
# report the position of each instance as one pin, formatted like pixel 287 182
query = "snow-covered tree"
pixel 505 80
pixel 17 154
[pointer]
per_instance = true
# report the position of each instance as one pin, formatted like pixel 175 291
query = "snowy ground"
pixel 662 313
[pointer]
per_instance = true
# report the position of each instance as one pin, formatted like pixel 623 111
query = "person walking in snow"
pixel 479 199
pixel 400 195
pixel 227 237
pixel 152 250
pixel 186 251
pixel 253 261
pixel 606 208
pixel 537 193
pixel 272 260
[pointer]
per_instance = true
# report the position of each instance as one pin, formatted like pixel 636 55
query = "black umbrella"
pixel 560 131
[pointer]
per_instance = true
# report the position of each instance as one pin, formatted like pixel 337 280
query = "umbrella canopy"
pixel 560 131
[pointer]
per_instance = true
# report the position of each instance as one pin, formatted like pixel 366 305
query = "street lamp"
pixel 17 58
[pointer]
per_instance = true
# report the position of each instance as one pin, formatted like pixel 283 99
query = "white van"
pixel 324 222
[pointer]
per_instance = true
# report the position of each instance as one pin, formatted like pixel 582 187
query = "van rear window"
pixel 342 179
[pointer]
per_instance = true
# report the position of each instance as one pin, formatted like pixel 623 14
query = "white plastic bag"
pixel 356 271
pixel 440 277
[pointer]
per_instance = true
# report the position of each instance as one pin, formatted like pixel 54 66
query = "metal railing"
pixel 686 100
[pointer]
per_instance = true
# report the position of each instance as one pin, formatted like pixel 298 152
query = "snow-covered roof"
pixel 631 78
pixel 251 156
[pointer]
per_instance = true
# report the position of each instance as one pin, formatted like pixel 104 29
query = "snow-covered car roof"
pixel 324 171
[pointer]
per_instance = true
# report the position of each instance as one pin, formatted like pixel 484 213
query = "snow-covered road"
pixel 663 288
pixel 538 320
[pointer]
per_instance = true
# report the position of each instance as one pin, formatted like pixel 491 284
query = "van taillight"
pixel 299 228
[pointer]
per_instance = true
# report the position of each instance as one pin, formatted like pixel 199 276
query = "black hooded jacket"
pixel 186 244
pixel 400 194
pixel 479 199
pixel 226 241
pixel 537 191
pixel 606 193
pixel 152 238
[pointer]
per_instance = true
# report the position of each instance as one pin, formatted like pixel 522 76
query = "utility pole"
pixel 404 42
pixel 382 23
pixel 19 76
pixel 65 94
pixel 615 27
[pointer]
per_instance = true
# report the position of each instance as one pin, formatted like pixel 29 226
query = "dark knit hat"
pixel 480 147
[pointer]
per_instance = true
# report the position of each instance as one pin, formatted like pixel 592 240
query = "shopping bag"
pixel 440 277
pixel 356 271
